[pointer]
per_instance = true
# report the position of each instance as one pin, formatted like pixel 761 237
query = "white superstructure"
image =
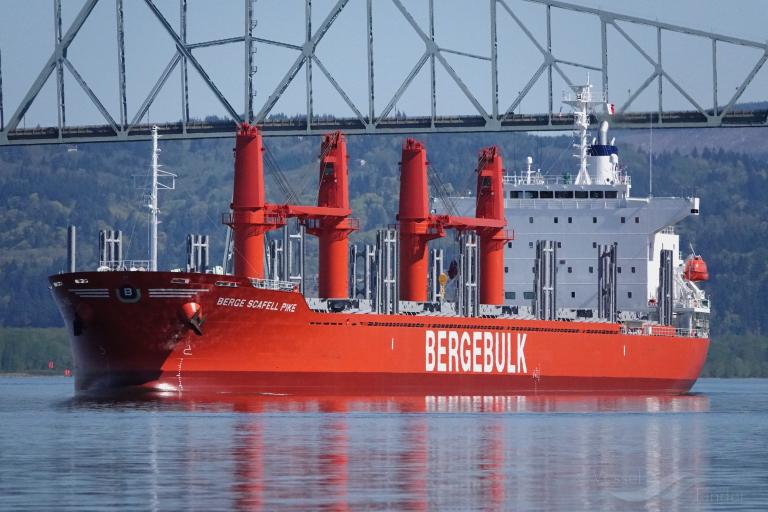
pixel 583 210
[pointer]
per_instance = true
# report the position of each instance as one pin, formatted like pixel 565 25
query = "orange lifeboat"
pixel 696 269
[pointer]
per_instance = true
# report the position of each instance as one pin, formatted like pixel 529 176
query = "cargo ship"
pixel 557 284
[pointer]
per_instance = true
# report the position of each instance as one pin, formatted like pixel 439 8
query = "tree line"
pixel 99 186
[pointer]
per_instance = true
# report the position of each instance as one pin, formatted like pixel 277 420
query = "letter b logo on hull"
pixel 128 294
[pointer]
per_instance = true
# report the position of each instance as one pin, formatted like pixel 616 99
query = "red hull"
pixel 266 341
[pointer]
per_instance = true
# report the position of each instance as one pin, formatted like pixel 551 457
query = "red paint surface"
pixel 248 203
pixel 417 226
pixel 333 280
pixel 490 205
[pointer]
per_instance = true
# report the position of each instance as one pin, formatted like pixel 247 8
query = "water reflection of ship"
pixel 247 452
pixel 593 453
pixel 333 461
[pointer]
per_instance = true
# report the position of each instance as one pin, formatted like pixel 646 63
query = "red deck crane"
pixel 418 226
pixel 252 216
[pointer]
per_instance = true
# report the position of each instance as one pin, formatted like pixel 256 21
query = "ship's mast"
pixel 581 120
pixel 153 205
pixel 582 107
pixel 156 185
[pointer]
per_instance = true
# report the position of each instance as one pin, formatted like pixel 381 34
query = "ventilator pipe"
pixel 333 237
pixel 414 221
pixel 248 201
pixel 603 133
pixel 490 205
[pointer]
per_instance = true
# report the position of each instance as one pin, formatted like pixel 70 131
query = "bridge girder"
pixel 366 119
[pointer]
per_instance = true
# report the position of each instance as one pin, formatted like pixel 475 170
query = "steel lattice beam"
pixel 485 113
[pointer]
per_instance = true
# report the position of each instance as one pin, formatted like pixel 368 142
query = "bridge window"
pixel 564 194
pixel 531 194
pixel 528 295
pixel 546 194
pixel 596 194
pixel 515 194
pixel 509 295
pixel 611 194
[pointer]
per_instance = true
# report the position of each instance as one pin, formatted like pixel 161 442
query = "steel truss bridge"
pixel 502 15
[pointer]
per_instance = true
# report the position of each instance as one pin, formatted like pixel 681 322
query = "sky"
pixel 27 38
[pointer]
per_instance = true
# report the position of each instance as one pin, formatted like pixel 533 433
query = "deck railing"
pixel 271 284
pixel 665 330
pixel 539 179
pixel 123 265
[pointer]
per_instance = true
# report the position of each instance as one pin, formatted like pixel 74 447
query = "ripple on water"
pixel 702 451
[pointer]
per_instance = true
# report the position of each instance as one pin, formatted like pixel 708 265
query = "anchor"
pixel 193 313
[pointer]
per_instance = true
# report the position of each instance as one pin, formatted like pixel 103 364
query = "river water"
pixel 704 451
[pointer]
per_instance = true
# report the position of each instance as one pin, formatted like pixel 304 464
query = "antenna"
pixel 529 170
pixel 157 174
pixel 650 157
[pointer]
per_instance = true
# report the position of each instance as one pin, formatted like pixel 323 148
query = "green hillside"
pixel 45 188
pixel 30 349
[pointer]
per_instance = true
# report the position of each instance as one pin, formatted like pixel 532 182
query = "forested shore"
pixel 95 186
